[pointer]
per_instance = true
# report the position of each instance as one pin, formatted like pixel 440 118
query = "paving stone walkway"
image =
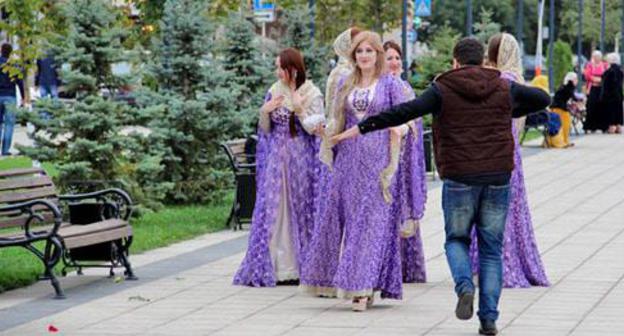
pixel 577 202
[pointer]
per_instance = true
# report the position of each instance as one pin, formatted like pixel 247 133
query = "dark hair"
pixel 354 31
pixel 392 45
pixel 468 51
pixel 493 48
pixel 292 60
pixel 7 49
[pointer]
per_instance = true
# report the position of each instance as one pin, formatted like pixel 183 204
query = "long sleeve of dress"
pixel 315 108
pixel 264 121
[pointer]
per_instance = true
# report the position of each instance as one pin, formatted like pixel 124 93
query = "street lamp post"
pixel 602 25
pixel 622 34
pixel 312 18
pixel 468 17
pixel 404 36
pixel 579 44
pixel 551 41
pixel 520 23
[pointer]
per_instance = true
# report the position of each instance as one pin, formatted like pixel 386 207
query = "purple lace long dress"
pixel 522 264
pixel 355 247
pixel 413 196
pixel 284 211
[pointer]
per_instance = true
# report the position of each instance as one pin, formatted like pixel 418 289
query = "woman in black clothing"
pixel 564 94
pixel 611 94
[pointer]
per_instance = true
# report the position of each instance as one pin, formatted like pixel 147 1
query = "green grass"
pixel 533 134
pixel 19 267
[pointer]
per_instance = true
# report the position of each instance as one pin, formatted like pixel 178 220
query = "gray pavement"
pixel 577 203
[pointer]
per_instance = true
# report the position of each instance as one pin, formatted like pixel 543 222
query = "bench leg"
pixel 52 255
pixel 123 249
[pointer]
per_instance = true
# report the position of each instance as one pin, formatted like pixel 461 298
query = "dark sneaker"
pixel 488 328
pixel 464 309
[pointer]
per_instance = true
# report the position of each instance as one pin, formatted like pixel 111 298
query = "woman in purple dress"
pixel 522 264
pixel 355 247
pixel 412 180
pixel 286 153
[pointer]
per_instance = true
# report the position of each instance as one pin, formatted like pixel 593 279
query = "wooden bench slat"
pixel 18 234
pixel 21 171
pixel 76 230
pixel 25 183
pixel 97 237
pixel 13 197
pixel 21 220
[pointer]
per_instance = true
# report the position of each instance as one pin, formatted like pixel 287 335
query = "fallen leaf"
pixel 139 298
pixel 52 329
pixel 118 279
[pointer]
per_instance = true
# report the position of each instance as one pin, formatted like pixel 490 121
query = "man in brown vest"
pixel 472 111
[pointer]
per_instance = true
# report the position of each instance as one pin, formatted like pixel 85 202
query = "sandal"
pixel 360 303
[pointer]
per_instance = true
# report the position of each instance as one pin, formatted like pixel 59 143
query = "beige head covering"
pixel 342 45
pixel 509 59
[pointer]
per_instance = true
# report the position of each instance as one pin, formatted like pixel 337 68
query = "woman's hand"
pixel 348 134
pixel 319 130
pixel 272 105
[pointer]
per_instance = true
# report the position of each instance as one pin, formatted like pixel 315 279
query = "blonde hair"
pixel 356 75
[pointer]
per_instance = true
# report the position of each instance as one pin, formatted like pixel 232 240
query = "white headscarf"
pixel 509 58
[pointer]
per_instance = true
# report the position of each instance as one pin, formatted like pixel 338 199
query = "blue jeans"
pixel 7 122
pixel 486 207
pixel 47 91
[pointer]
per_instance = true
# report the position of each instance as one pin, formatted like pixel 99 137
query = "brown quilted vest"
pixel 472 135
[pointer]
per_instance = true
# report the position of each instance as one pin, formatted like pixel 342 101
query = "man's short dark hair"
pixel 6 51
pixel 469 51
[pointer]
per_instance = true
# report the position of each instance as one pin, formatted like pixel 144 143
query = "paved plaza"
pixel 577 202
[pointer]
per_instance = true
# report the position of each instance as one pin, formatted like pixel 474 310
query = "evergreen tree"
pixel 486 28
pixel 252 71
pixel 83 138
pixel 193 107
pixel 562 62
pixel 298 35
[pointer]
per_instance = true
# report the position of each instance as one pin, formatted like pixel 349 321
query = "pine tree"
pixel 252 70
pixel 83 138
pixel 298 35
pixel 486 28
pixel 193 107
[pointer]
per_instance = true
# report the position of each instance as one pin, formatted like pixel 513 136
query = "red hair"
pixel 292 60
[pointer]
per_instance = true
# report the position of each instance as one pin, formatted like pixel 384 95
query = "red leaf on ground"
pixel 52 329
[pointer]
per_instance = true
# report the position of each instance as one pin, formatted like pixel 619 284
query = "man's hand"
pixel 348 134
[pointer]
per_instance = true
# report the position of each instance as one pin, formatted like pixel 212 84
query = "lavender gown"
pixel 412 177
pixel 355 247
pixel 280 159
pixel 522 264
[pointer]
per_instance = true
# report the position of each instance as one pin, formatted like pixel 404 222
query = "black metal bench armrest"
pixel 121 195
pixel 28 208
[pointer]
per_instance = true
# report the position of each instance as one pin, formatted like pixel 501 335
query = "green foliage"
pixel 84 139
pixel 591 22
pixel 298 35
pixel 439 59
pixel 562 62
pixel 29 21
pixel 486 28
pixel 192 109
pixel 252 71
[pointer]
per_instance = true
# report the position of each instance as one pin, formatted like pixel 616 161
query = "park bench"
pixel 241 156
pixel 31 217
